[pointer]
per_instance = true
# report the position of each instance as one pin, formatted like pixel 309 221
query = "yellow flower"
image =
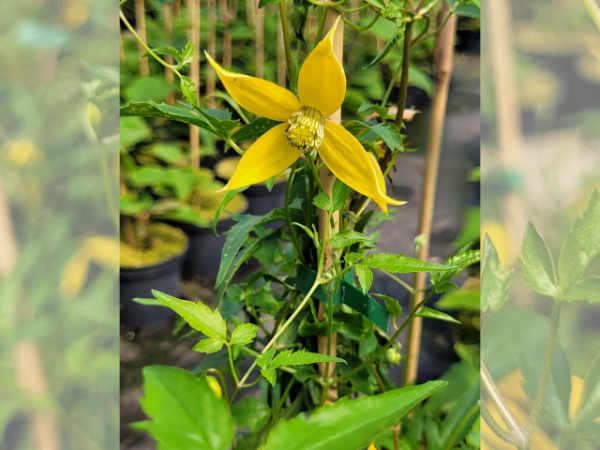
pixel 321 89
pixel 372 446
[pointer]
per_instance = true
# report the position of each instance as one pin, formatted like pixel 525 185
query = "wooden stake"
pixel 327 179
pixel 280 56
pixel 193 9
pixel 251 12
pixel 121 48
pixel 211 46
pixel 140 28
pixel 508 112
pixel 259 40
pixel 167 10
pixel 28 365
pixel 442 65
pixel 226 19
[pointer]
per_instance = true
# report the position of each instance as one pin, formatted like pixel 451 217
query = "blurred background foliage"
pixel 58 176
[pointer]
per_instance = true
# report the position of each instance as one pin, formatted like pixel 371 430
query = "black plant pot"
pixel 261 201
pixel 139 283
pixel 204 254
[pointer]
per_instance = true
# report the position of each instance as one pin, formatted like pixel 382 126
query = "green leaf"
pixel 536 263
pixel 244 334
pixel 263 3
pixel 133 130
pixel 460 299
pixel 199 316
pixel 428 313
pixel 387 48
pixel 254 129
pixel 588 289
pixel 367 345
pixel 348 424
pixel 187 54
pixel 402 264
pixel 494 284
pixel 590 408
pixel 461 261
pixel 169 153
pixel 164 111
pixel 189 90
pixel 270 375
pixel 322 201
pixel 348 237
pixel 265 359
pixel 460 419
pixel 389 134
pixel 471 11
pixel 352 257
pixel 301 357
pixel 339 194
pixel 251 412
pixel 229 195
pixel 391 304
pixel 184 411
pixel 210 345
pixel 365 277
pixel 581 247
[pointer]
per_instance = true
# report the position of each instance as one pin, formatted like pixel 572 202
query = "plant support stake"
pixel 140 25
pixel 193 7
pixel 442 66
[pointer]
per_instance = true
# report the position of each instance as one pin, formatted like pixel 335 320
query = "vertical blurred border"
pixel 540 165
pixel 59 82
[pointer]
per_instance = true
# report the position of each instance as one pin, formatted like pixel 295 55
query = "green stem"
pixel 496 428
pixel 321 26
pixel 231 365
pixel 311 165
pixel 518 436
pixel 383 349
pixel 538 401
pixel 430 35
pixel 283 397
pixel 593 10
pixel 143 44
pixel 351 10
pixel 388 91
pixel 404 80
pixel 400 281
pixel 326 4
pixel 286 41
pixel 288 216
pixel 366 27
pixel 422 33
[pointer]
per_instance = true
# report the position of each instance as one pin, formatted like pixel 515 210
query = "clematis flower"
pixel 321 91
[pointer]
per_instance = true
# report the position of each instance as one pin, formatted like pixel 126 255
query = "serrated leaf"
pixel 494 284
pixel 151 109
pixel 461 260
pixel 352 257
pixel 187 54
pixel 270 375
pixel 184 411
pixel 210 345
pixel 428 313
pixel 581 247
pixel 322 201
pixel 536 263
pixel 244 334
pixel 403 264
pixel 348 424
pixel 348 237
pixel 265 359
pixel 189 90
pixel 251 412
pixel 199 316
pixel 301 357
pixel 339 194
pixel 365 277
pixel 391 304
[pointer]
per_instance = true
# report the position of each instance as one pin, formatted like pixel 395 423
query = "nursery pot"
pixel 261 201
pixel 204 254
pixel 139 282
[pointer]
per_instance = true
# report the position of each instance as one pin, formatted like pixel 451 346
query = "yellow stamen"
pixel 306 129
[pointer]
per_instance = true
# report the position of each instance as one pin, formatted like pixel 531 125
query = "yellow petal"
pixel 349 161
pixel 321 82
pixel 260 97
pixel 372 446
pixel 380 180
pixel 267 157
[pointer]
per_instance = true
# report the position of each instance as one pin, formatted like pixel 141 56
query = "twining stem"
pixel 286 41
pixel 221 377
pixel 538 401
pixel 405 67
pixel 496 428
pixel 422 38
pixel 517 435
pixel 593 10
pixel 311 165
pixel 321 26
pixel 232 366
pixel 366 27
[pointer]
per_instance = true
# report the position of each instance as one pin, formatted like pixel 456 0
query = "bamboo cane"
pixel 250 12
pixel 507 111
pixel 226 19
pixel 167 10
pixel 29 369
pixel 442 64
pixel 140 28
pixel 121 48
pixel 280 56
pixel 327 179
pixel 193 9
pixel 211 46
pixel 259 40
pixel 233 9
pixel 177 9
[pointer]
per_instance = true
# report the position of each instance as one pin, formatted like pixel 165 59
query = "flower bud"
pixel 214 386
pixel 392 355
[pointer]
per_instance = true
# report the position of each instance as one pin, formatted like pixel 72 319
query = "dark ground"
pixel 460 154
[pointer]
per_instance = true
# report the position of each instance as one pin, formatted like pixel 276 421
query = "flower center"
pixel 305 129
